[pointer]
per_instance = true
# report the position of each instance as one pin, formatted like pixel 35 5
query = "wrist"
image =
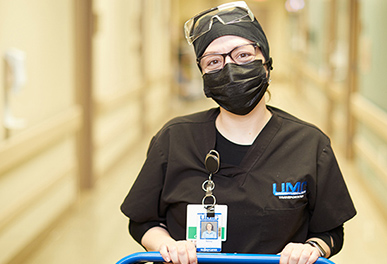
pixel 315 244
pixel 155 237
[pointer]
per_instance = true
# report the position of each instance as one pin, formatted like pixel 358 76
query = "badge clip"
pixel 212 163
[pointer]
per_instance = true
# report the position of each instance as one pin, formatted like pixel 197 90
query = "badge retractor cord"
pixel 212 163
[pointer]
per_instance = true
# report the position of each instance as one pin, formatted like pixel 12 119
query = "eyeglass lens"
pixel 240 55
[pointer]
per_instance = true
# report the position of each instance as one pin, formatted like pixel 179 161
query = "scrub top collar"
pixel 254 153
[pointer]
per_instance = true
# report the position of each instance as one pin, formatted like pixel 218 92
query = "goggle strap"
pixel 269 63
pixel 233 4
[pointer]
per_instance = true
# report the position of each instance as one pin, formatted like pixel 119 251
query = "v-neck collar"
pixel 262 141
pixel 253 154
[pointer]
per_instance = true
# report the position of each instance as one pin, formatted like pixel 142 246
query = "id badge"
pixel 207 230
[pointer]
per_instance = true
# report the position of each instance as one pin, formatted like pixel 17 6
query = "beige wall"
pixel 38 165
pixel 117 80
pixel 334 70
pixel 131 74
pixel 44 31
pixel 157 60
pixel 130 95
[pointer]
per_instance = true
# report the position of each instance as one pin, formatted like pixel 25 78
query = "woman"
pixel 278 175
pixel 209 232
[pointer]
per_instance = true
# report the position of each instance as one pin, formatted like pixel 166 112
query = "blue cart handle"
pixel 226 258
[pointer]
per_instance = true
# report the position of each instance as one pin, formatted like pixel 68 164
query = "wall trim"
pixel 25 201
pixel 29 143
pixel 371 115
pixel 115 101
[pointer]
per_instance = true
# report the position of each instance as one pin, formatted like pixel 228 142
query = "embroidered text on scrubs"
pixel 290 191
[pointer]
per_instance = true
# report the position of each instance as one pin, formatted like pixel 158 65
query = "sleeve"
pixel 137 230
pixel 331 204
pixel 142 202
pixel 338 239
pixel 337 236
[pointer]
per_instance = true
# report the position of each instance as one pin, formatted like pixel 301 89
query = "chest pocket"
pixel 282 225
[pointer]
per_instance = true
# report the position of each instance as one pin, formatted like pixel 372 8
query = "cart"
pixel 226 258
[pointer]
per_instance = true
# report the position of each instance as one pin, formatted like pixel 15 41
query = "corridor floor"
pixel 95 231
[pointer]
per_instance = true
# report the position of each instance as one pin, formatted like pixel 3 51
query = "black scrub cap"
pixel 248 30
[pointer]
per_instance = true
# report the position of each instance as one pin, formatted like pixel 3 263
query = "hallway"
pixel 95 231
pixel 86 83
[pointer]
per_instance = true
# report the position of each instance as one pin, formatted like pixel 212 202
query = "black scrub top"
pixel 288 184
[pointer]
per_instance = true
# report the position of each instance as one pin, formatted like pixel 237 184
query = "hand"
pixel 297 253
pixel 179 252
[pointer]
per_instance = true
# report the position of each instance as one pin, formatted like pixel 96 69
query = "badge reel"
pixel 207 222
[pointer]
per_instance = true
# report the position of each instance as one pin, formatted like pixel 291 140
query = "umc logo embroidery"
pixel 290 191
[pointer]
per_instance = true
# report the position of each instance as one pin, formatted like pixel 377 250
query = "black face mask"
pixel 237 88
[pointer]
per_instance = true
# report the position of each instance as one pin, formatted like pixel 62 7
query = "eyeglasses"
pixel 229 13
pixel 240 55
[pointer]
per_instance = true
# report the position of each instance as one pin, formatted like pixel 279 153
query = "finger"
pixel 295 255
pixel 314 254
pixel 182 253
pixel 172 249
pixel 313 257
pixel 305 255
pixel 164 253
pixel 191 249
pixel 285 254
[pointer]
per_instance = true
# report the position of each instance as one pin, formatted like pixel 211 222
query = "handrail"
pixel 32 141
pixel 226 258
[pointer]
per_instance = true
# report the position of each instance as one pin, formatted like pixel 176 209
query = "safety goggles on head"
pixel 229 13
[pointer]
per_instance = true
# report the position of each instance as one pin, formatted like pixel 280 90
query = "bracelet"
pixel 317 245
